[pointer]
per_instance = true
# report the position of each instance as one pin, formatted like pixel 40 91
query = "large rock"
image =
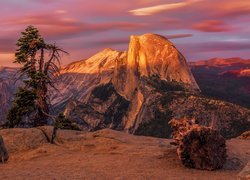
pixel 20 139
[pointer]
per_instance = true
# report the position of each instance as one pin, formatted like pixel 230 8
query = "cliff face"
pixel 134 91
pixel 150 55
pixel 112 89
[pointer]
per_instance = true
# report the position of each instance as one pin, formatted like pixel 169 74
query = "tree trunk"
pixel 199 147
pixel 43 107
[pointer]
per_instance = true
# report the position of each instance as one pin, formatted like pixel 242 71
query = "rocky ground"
pixel 105 154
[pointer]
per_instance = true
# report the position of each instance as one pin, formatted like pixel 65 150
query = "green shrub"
pixel 64 123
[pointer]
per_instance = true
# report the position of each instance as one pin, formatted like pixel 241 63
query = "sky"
pixel 200 29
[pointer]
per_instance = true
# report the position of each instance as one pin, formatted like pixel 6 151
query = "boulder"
pixel 20 139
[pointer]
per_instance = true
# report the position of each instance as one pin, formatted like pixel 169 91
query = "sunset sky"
pixel 201 29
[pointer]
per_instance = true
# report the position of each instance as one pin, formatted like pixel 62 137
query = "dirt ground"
pixel 108 154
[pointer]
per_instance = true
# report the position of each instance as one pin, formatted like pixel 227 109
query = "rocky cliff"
pixel 140 90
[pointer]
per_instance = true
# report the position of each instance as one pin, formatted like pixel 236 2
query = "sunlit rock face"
pixel 78 79
pixel 113 86
pixel 150 55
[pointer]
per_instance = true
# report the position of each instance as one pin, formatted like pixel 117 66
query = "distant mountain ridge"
pixel 221 62
pixel 227 79
pixel 238 73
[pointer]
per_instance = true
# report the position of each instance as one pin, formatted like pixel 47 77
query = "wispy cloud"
pixel 146 11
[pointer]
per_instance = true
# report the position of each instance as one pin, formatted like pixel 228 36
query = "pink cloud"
pixel 56 26
pixel 85 27
pixel 212 26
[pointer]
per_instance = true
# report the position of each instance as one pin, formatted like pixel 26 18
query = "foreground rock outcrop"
pixel 105 154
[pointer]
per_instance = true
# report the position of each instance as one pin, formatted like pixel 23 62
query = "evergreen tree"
pixel 40 65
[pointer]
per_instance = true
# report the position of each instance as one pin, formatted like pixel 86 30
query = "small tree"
pixel 40 65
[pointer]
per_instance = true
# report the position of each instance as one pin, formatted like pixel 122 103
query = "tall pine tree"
pixel 40 64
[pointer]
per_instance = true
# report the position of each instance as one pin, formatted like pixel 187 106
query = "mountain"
pixel 237 73
pixel 230 63
pixel 138 91
pixel 226 79
pixel 7 89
